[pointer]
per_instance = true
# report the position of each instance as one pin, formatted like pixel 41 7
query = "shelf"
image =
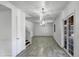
pixel 69 34
pixel 27 43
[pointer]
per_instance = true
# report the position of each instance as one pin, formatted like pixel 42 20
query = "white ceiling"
pixel 33 8
pixel 3 8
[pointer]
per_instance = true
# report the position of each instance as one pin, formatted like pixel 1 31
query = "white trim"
pixel 71 14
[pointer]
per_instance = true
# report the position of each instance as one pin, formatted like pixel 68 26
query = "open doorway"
pixel 5 31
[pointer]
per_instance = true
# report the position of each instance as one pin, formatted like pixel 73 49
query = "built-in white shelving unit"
pixel 69 34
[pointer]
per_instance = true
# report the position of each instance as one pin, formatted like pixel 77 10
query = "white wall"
pixel 29 25
pixel 29 28
pixel 28 35
pixel 5 33
pixel 72 8
pixel 58 30
pixel 46 30
pixel 76 30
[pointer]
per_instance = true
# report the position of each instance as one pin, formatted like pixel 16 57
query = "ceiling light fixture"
pixel 42 13
pixel 42 17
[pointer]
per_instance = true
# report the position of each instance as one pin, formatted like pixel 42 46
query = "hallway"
pixel 43 46
pixel 39 28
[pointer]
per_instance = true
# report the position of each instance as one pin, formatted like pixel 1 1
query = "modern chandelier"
pixel 42 14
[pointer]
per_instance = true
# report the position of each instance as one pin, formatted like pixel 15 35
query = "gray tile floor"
pixel 43 46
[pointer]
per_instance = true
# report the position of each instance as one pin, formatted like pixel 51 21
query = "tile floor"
pixel 43 46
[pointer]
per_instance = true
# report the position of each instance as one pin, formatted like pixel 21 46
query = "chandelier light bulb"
pixel 42 13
